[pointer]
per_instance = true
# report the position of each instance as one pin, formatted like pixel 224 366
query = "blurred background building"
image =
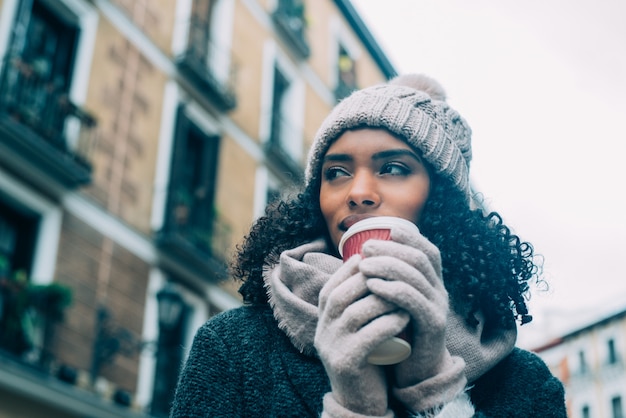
pixel 590 363
pixel 139 139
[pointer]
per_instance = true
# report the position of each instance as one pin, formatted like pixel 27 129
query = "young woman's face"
pixel 369 172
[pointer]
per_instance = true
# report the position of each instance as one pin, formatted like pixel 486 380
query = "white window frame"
pixel 274 57
pixel 48 232
pixel 86 18
pixel 340 36
pixel 264 180
pixel 173 97
pixel 221 36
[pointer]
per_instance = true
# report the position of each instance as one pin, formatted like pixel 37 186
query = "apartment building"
pixel 590 363
pixel 139 139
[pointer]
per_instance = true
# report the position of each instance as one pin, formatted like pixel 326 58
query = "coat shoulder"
pixel 521 385
pixel 240 321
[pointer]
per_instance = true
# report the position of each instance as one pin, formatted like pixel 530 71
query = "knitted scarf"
pixel 293 286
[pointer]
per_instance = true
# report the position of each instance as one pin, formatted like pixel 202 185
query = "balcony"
pixel 29 369
pixel 282 162
pixel 208 68
pixel 41 130
pixel 32 389
pixel 193 244
pixel 39 384
pixel 289 18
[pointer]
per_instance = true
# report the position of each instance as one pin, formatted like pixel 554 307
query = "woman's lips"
pixel 348 221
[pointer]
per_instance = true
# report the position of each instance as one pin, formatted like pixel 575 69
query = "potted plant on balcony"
pixel 27 310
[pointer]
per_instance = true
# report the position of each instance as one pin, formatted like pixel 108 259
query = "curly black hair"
pixel 485 266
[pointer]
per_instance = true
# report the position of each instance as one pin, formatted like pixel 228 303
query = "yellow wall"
pixel 126 95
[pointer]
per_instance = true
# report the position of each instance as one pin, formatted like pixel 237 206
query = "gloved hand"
pixel 352 322
pixel 407 273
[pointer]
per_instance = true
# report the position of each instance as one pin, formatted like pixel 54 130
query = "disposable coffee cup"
pixel 378 227
pixel 395 349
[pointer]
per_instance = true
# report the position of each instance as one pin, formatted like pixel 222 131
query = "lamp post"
pixel 111 340
pixel 170 306
pixel 172 311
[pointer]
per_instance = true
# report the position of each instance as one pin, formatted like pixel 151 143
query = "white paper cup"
pixel 395 349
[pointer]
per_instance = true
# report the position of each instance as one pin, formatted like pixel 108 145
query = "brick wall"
pixel 100 272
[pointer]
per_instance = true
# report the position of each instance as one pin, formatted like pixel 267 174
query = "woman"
pixel 299 345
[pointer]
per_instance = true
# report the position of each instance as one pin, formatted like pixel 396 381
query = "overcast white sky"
pixel 543 85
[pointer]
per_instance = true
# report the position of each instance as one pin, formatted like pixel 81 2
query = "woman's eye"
pixel 332 173
pixel 395 169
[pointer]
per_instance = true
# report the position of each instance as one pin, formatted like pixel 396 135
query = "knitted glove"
pixel 352 322
pixel 407 272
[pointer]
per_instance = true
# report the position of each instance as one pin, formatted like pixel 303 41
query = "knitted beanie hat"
pixel 413 108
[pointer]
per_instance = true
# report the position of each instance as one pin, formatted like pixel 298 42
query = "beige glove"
pixel 352 322
pixel 407 273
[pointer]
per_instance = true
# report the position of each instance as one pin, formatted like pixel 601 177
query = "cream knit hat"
pixel 412 107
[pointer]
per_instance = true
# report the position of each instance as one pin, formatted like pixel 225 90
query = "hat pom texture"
pixel 412 107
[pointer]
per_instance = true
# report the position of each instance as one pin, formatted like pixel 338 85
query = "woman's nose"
pixel 363 190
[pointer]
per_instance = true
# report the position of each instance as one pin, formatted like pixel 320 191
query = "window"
pixel 36 85
pixel 284 144
pixel 612 352
pixel 207 58
pixel 39 71
pixel 190 212
pixel 346 77
pixel 289 16
pixel 616 407
pixel 583 368
pixel 282 109
pixel 30 226
pixel 17 240
pixel 200 28
pixel 278 131
pixel 585 412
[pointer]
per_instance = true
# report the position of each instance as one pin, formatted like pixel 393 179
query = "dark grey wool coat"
pixel 242 365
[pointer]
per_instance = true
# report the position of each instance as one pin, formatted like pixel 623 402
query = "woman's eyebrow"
pixel 390 153
pixel 396 153
pixel 337 157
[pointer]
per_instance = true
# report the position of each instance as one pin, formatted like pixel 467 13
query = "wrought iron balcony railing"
pixel 208 67
pixel 31 360
pixel 289 17
pixel 201 247
pixel 40 124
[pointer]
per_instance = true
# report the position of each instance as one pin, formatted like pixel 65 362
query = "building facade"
pixel 590 363
pixel 139 139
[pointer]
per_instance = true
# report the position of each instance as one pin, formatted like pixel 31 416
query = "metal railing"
pixel 31 99
pixel 201 245
pixel 210 67
pixel 289 16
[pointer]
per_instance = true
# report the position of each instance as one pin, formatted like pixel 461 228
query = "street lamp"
pixel 111 340
pixel 171 306
pixel 172 312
